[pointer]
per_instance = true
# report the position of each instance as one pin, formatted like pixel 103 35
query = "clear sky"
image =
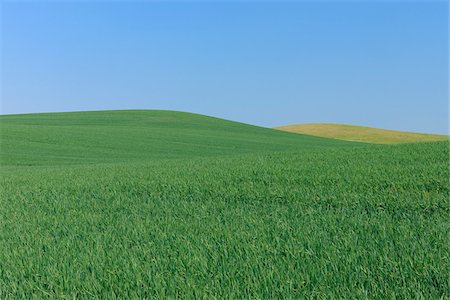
pixel 374 63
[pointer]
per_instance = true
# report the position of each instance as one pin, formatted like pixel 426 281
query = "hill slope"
pixel 361 133
pixel 111 136
pixel 101 213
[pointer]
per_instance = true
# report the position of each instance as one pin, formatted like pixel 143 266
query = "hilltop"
pixel 133 135
pixel 362 133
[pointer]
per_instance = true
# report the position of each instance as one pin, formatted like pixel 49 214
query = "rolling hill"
pixel 362 134
pixel 112 136
pixel 171 205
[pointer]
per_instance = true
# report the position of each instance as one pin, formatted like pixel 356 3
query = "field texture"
pixel 318 221
pixel 362 134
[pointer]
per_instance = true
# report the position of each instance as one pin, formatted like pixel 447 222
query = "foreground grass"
pixel 367 222
pixel 362 134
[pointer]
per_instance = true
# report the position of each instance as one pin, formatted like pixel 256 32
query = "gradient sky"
pixel 374 63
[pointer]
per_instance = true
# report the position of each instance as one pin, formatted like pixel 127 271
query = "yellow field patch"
pixel 362 134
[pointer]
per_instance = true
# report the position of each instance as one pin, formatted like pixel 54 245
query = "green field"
pixel 119 136
pixel 157 204
pixel 363 134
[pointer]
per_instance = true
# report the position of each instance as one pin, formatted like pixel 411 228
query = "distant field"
pixel 118 136
pixel 362 134
pixel 154 204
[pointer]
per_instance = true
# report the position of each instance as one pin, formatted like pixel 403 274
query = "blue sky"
pixel 374 63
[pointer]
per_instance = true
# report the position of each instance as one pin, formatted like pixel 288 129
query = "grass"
pixel 362 134
pixel 314 221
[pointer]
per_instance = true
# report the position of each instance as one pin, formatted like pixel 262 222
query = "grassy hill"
pixel 112 136
pixel 362 134
pixel 157 204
